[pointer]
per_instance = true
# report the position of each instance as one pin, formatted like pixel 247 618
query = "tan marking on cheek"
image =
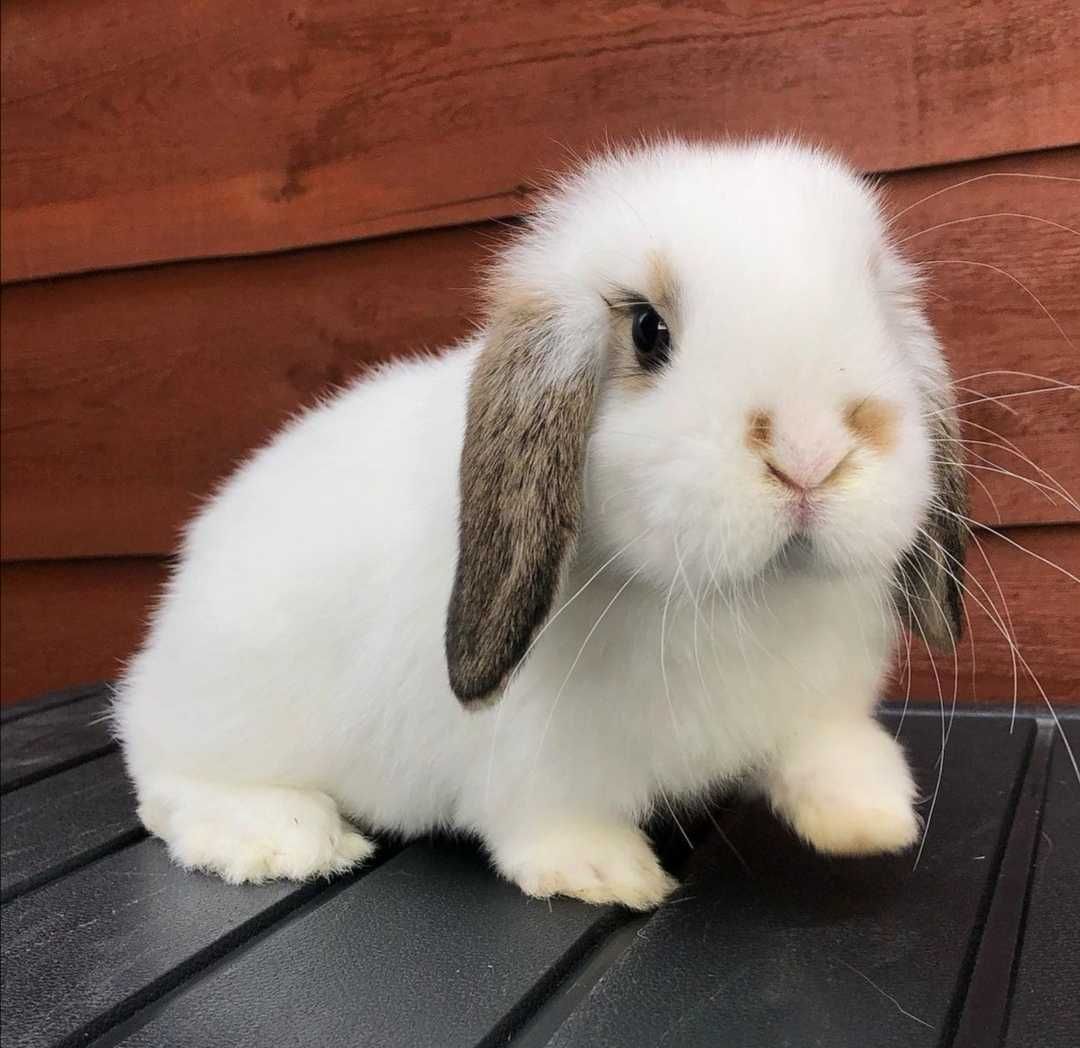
pixel 759 430
pixel 875 422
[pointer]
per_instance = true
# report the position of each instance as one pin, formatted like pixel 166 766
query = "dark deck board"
pixel 803 950
pixel 104 941
pixel 63 821
pixel 35 707
pixel 62 735
pixel 84 951
pixel 429 950
pixel 1046 999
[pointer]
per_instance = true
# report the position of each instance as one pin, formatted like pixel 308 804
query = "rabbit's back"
pixel 311 589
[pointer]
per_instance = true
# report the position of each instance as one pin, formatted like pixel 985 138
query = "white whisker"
pixel 1003 396
pixel 1005 273
pixel 543 629
pixel 980 178
pixel 577 658
pixel 993 214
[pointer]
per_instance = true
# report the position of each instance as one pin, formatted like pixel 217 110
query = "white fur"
pixel 298 652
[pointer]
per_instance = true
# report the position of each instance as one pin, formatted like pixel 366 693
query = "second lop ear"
pixel 530 409
pixel 929 580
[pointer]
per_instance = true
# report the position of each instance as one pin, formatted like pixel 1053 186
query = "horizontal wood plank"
pixel 67 621
pixel 138 132
pixel 127 395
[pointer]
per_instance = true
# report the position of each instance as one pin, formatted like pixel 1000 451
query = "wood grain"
pixel 127 395
pixel 139 131
pixel 1037 605
pixel 66 622
pixel 71 622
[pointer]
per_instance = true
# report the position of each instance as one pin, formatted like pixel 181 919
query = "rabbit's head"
pixel 707 361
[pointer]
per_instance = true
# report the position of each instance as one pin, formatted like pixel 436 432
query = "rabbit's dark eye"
pixel 652 339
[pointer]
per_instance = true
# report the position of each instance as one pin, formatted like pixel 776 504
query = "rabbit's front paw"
pixel 846 789
pixel 842 825
pixel 595 862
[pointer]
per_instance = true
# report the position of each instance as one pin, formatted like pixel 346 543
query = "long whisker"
pixel 1005 273
pixel 1023 661
pixel 979 394
pixel 992 432
pixel 577 658
pixel 1031 674
pixel 663 663
pixel 989 399
pixel 993 214
pixel 1023 549
pixel 991 612
pixel 1044 489
pixel 697 615
pixel 907 635
pixel 585 585
pixel 997 372
pixel 1052 481
pixel 543 629
pixel 671 811
pixel 944 728
pixel 980 178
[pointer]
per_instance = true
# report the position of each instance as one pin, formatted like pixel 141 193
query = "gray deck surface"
pixel 104 942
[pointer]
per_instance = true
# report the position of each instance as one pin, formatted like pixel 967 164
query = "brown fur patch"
pixel 521 494
pixel 874 422
pixel 663 289
pixel 759 430
pixel 662 293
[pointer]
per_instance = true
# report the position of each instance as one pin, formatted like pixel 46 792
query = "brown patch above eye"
pixel 661 291
pixel 875 422
pixel 663 288
pixel 759 432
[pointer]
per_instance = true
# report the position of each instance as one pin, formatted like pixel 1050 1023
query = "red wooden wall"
pixel 211 212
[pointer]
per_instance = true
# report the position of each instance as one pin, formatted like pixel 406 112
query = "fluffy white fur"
pixel 295 670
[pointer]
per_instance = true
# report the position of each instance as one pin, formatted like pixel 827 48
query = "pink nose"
pixel 807 476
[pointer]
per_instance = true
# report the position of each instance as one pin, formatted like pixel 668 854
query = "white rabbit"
pixel 678 491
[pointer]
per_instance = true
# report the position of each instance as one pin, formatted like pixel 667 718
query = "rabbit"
pixel 654 530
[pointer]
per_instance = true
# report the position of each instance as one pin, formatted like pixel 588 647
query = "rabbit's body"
pixel 296 668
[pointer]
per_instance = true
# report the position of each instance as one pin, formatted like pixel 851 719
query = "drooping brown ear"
pixel 927 589
pixel 530 407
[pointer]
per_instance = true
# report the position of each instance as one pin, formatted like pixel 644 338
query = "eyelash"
pixel 626 302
